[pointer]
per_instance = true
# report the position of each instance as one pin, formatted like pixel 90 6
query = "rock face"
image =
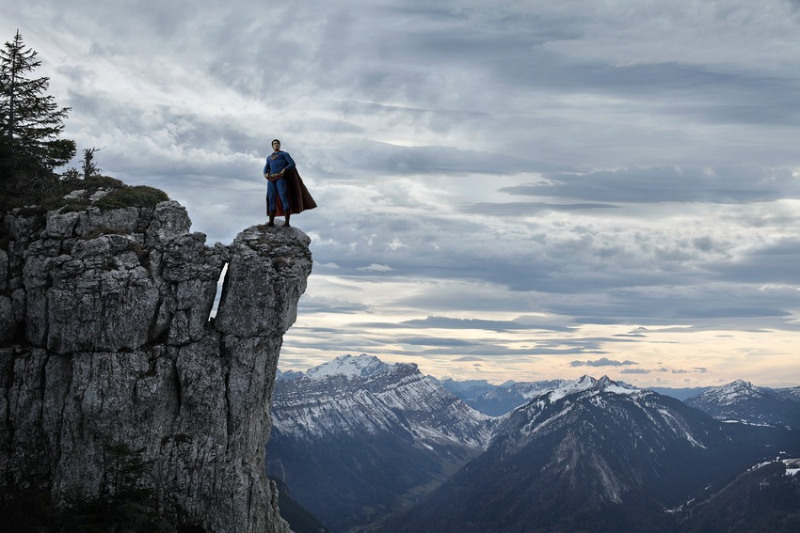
pixel 115 380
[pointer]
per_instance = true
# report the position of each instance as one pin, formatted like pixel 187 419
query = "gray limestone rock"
pixel 169 219
pixel 61 225
pixel 94 219
pixel 255 256
pixel 115 377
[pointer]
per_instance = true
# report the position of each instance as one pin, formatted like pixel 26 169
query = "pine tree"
pixel 30 121
pixel 90 168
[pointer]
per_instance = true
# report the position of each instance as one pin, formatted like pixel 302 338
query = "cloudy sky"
pixel 508 189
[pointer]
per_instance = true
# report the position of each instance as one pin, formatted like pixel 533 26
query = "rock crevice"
pixel 116 378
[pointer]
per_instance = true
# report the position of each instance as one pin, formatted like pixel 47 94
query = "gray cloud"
pixel 603 362
pixel 634 371
pixel 670 184
pixel 776 262
pixel 530 208
pixel 698 370
pixel 434 341
pixel 513 159
pixel 442 322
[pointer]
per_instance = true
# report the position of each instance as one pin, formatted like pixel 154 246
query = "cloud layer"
pixel 506 189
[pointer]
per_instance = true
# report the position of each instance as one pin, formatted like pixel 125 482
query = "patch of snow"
pixel 535 425
pixel 588 382
pixel 759 465
pixel 569 387
pixel 619 389
pixel 744 422
pixel 528 391
pixel 348 365
pixel 792 466
pixel 679 427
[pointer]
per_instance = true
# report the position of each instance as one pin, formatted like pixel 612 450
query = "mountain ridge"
pixel 496 400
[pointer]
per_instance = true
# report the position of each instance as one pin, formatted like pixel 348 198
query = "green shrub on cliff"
pixel 78 194
pixel 135 196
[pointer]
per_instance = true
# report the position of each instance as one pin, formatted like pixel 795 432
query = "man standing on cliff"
pixel 286 193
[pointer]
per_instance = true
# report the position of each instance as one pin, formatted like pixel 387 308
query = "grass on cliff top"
pixel 48 194
pixel 132 196
pixel 51 196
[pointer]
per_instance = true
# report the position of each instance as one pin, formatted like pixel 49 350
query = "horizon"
pixel 504 190
pixel 497 384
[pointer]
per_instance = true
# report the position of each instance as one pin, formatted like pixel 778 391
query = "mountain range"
pixel 368 446
pixel 356 439
pixel 597 457
pixel 497 400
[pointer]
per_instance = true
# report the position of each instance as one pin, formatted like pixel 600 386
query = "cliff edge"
pixel 116 384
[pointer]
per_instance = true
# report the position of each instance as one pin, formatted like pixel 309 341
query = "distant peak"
pixel 603 382
pixel 620 387
pixel 347 365
pixel 570 387
pixel 288 375
pixel 585 383
pixel 739 386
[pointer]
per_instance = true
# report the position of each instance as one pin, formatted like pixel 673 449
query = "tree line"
pixel 31 125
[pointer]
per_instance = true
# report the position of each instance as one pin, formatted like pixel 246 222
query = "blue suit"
pixel 276 162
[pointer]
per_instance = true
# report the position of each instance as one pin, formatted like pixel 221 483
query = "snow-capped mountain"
pixel 497 400
pixel 793 393
pixel 288 374
pixel 365 395
pixel 348 365
pixel 355 437
pixel 742 401
pixel 592 455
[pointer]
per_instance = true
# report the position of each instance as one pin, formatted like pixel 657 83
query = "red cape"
pixel 299 196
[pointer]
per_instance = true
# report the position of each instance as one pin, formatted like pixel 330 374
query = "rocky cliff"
pixel 116 383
